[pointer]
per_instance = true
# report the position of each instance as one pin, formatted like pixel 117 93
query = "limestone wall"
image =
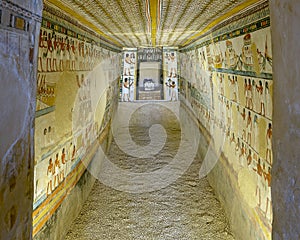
pixel 285 18
pixel 77 91
pixel 19 26
pixel 226 81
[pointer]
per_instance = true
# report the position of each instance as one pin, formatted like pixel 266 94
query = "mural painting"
pixel 77 80
pixel 227 81
pixel 129 76
pixel 170 74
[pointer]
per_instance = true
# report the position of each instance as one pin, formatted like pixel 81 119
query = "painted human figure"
pixel 243 124
pixel 57 171
pixel 247 51
pixel 232 145
pixel 249 157
pixel 82 56
pixel 228 116
pixel 67 53
pixel 168 84
pixel 63 161
pixel 232 86
pixel 56 45
pixel 237 146
pixel 221 83
pixel 45 49
pixel 249 56
pixel 249 94
pixel 126 89
pixel 242 155
pixel 172 65
pixel 73 51
pixel 269 144
pixel 255 131
pixel 217 55
pixel 49 53
pixel 86 56
pixel 41 51
pixel 249 128
pixel 246 92
pixel 173 91
pixel 127 64
pixel 50 174
pixel 73 157
pixel 222 107
pixel 232 139
pixel 236 90
pixel 268 178
pixel 132 61
pixel 259 172
pixel 61 49
pixel 260 91
pixel 268 100
pixel 91 57
pixel 230 56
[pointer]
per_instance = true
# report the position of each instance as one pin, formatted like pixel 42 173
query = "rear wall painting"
pixel 149 73
pixel 226 78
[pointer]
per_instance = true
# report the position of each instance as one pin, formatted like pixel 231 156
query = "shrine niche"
pixel 149 85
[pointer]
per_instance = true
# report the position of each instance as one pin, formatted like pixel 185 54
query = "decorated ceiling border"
pixel 67 11
pixel 20 11
pixel 61 11
pixel 51 18
pixel 259 16
pixel 16 18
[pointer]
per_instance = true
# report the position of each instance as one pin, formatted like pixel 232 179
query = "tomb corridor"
pixel 149 119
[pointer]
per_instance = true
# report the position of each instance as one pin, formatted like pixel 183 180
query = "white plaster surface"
pixel 14 97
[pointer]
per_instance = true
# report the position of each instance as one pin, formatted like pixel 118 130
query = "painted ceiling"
pixel 146 23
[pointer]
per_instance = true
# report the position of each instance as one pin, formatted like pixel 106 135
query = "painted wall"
pixel 227 82
pixel 19 28
pixel 128 80
pixel 285 16
pixel 77 91
pixel 170 74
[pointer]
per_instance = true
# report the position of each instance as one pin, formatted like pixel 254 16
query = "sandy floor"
pixel 184 209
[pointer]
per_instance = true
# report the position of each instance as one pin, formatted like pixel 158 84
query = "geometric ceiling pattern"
pixel 136 23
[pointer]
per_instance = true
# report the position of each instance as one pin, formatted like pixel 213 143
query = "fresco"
pixel 170 74
pixel 77 83
pixel 129 76
pixel 227 82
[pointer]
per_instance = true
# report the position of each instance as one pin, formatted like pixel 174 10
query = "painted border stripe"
pixel 45 211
